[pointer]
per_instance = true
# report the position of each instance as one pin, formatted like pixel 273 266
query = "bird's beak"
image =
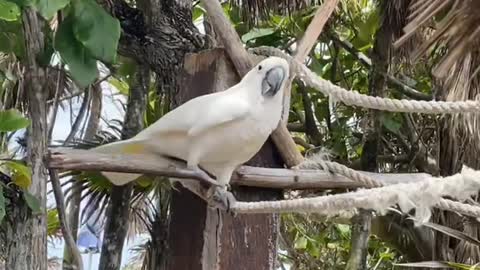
pixel 273 80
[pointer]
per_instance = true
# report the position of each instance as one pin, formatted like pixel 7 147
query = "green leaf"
pixel 11 120
pixel 53 222
pixel 301 243
pixel 23 3
pixel 81 63
pixel 144 181
pixel 21 174
pixel 96 30
pixel 391 124
pixel 17 167
pixel 9 11
pixel 2 204
pixel 11 37
pixel 197 13
pixel 256 33
pixel 121 86
pixel 48 8
pixel 32 202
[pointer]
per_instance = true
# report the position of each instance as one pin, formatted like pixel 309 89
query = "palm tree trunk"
pixel 27 245
pixel 119 206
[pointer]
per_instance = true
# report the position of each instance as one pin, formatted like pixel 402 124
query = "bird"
pixel 215 132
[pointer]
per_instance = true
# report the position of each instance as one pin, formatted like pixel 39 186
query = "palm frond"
pixel 466 251
pixel 253 11
pixel 464 84
pixel 394 17
pixel 456 24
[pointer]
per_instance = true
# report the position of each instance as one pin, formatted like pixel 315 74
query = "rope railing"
pixel 335 92
pixel 421 196
pixel 378 193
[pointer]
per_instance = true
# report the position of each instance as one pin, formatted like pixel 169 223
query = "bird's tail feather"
pixel 121 147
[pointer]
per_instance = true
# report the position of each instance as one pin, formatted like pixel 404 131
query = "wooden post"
pixel 202 238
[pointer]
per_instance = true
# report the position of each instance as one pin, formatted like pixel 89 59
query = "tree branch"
pixel 243 63
pixel 367 62
pixel 81 114
pixel 245 175
pixel 306 44
pixel 62 217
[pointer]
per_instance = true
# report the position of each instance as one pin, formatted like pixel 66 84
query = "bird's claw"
pixel 220 197
pixel 205 177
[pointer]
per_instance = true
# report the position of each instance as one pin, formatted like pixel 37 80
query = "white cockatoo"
pixel 218 131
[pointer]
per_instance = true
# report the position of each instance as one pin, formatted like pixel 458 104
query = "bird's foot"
pixel 207 179
pixel 221 198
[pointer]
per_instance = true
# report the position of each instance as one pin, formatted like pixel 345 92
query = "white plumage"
pixel 218 131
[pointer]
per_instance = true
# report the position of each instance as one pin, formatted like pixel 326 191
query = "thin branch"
pixel 59 87
pixel 296 127
pixel 80 116
pixel 311 127
pixel 245 175
pixel 62 216
pixel 367 62
pixel 74 94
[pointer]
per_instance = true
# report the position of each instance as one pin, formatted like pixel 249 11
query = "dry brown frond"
pixel 395 17
pixel 458 27
pixel 254 10
pixel 466 252
pixel 462 83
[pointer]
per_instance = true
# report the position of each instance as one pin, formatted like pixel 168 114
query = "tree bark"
pixel 119 205
pixel 27 247
pixel 205 238
pixel 361 224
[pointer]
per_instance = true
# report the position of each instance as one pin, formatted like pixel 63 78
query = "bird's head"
pixel 270 75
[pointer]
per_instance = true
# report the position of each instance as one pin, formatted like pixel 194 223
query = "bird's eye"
pixel 260 67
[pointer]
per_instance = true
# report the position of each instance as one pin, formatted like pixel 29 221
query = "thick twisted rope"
pixel 377 198
pixel 354 98
pixel 421 196
pixel 461 208
pixel 367 181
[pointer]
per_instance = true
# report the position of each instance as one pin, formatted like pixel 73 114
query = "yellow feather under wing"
pixel 122 147
pixel 133 148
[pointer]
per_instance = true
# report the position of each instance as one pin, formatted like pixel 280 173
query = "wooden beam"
pixel 86 161
pixel 306 44
pixel 204 238
pixel 275 178
pixel 314 29
pixel 243 63
pixel 229 37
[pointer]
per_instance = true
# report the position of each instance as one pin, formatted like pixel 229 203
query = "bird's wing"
pixel 198 115
pixel 181 119
pixel 226 109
